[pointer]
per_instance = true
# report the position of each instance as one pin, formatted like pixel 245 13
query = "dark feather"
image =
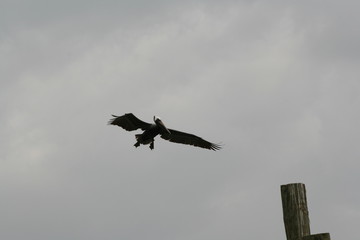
pixel 190 139
pixel 129 122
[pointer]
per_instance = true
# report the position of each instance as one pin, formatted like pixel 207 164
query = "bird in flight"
pixel 130 123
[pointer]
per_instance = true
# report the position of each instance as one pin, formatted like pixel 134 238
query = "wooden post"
pixel 295 211
pixel 320 236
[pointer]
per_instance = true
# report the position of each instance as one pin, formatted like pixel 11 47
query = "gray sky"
pixel 277 82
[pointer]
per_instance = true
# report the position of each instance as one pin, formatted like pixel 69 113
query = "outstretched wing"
pixel 190 139
pixel 129 122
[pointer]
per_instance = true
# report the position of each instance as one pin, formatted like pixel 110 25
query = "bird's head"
pixel 160 124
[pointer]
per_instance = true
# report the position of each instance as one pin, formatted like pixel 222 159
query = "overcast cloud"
pixel 277 82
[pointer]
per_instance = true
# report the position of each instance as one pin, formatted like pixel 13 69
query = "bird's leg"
pixel 137 144
pixel 152 145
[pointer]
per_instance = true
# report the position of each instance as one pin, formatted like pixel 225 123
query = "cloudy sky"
pixel 277 82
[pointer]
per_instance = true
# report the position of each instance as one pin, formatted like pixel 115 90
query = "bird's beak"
pixel 162 125
pixel 168 130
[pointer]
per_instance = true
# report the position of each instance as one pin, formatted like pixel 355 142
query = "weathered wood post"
pixel 320 236
pixel 296 214
pixel 295 211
